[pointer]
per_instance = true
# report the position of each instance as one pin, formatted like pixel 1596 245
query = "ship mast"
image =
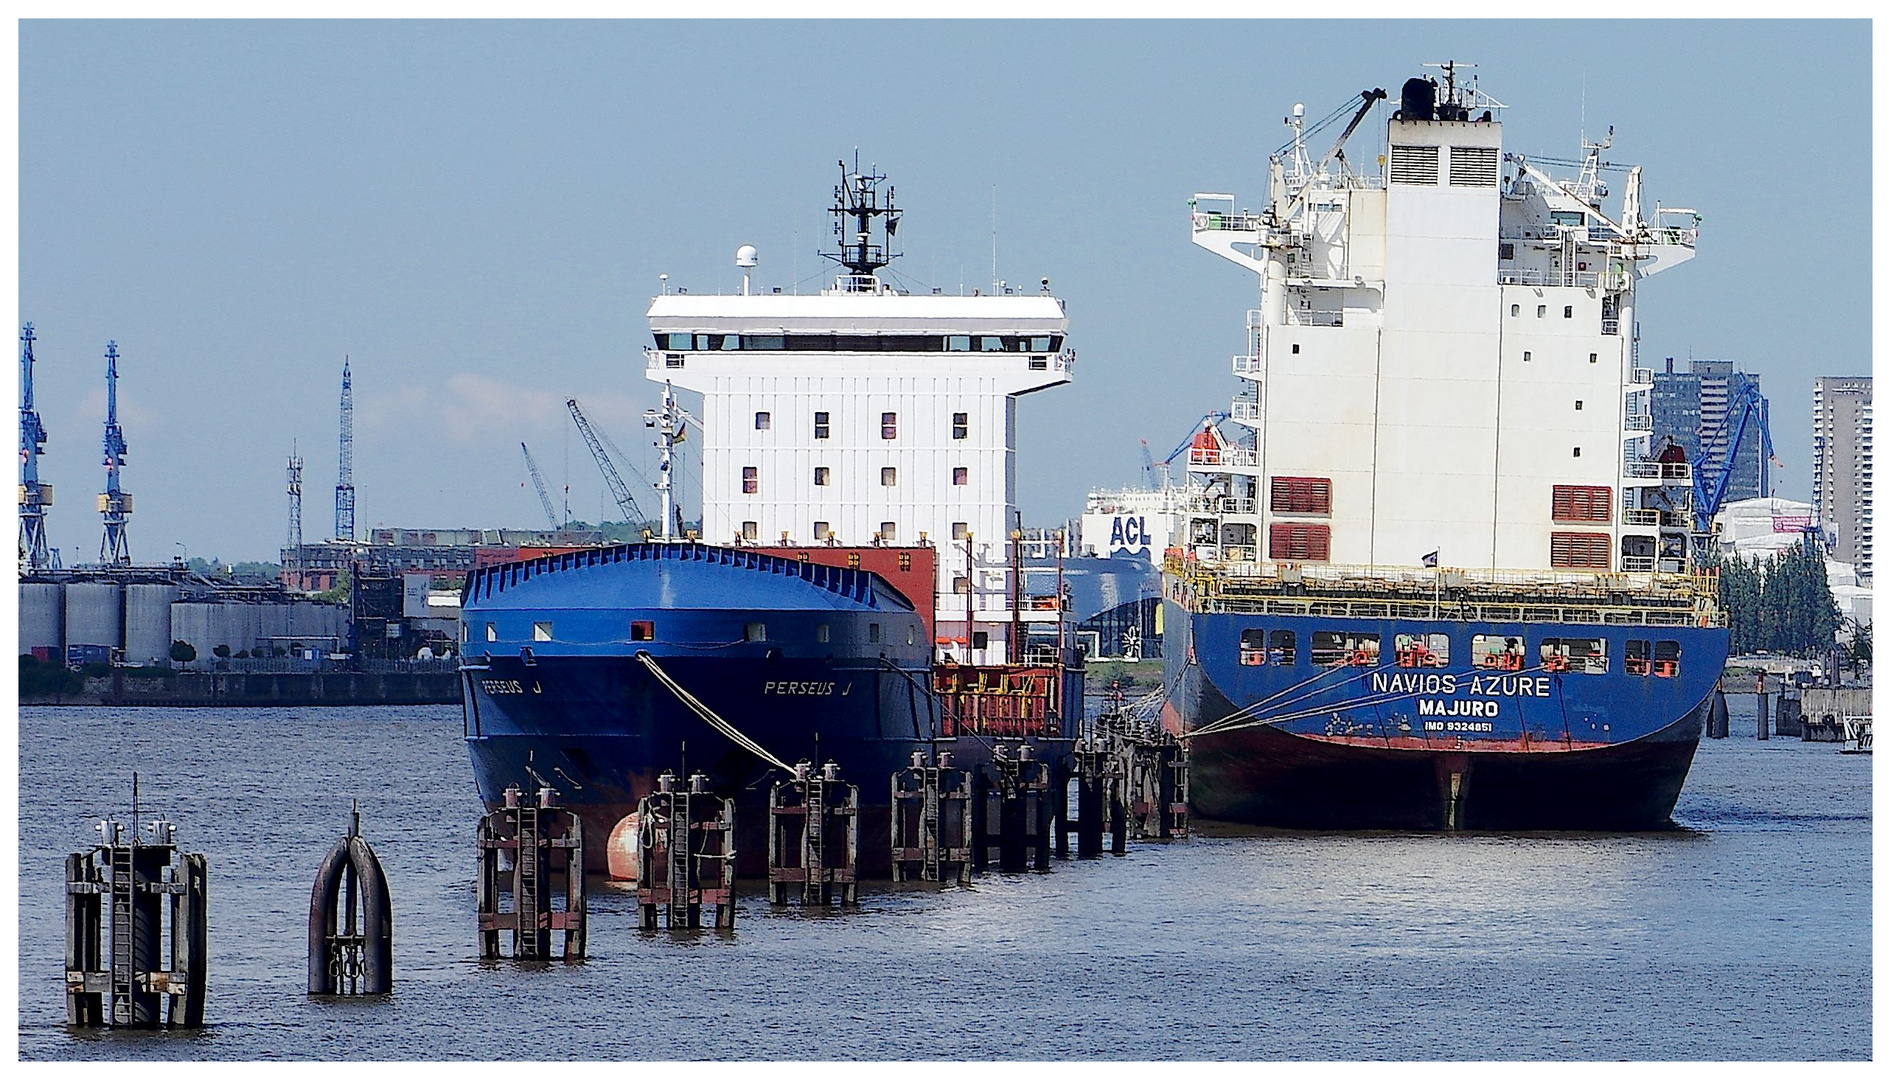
pixel 856 204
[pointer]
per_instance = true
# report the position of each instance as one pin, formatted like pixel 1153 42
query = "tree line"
pixel 1781 604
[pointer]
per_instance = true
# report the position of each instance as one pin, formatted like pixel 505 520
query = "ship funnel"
pixel 1417 98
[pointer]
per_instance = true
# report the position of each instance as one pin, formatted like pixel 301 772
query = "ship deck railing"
pixel 1376 592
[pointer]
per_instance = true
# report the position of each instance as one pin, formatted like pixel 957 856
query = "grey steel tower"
pixel 35 497
pixel 345 479
pixel 114 504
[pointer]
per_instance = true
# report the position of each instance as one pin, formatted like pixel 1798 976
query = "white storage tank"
pixel 43 617
pixel 148 623
pixel 95 613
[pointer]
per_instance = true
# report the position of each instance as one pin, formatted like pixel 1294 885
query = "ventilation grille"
pixel 1589 551
pixel 1414 164
pixel 1581 502
pixel 1300 543
pixel 1474 166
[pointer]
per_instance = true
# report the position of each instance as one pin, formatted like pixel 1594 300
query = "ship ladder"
pixel 708 715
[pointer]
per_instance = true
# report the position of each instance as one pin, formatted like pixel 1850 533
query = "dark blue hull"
pixel 1452 737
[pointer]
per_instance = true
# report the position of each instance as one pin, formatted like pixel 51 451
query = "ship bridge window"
pixel 1345 648
pixel 1635 658
pixel 765 342
pixel 1421 650
pixel 1667 659
pixel 1583 656
pixel 1497 653
pixel 1041 344
pixel 1566 217
pixel 991 343
pixel 958 343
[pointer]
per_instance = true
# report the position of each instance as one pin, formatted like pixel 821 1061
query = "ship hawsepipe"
pixel 1344 720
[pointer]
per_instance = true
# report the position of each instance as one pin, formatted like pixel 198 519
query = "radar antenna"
pixel 856 204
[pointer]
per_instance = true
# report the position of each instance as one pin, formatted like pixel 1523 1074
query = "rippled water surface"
pixel 1745 934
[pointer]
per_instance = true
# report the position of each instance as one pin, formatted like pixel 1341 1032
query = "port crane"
pixel 538 481
pixel 1712 472
pixel 621 493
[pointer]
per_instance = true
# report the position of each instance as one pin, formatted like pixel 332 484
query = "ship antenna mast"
pixel 35 497
pixel 114 549
pixel 856 205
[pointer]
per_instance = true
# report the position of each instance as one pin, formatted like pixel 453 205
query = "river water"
pixel 1745 934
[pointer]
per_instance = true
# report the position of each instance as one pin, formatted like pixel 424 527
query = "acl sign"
pixel 1128 532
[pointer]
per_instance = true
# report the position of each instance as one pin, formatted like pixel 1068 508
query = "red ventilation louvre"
pixel 1300 495
pixel 1303 543
pixel 1586 551
pixel 1577 502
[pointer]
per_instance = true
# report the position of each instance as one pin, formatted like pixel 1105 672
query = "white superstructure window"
pixel 822 531
pixel 960 530
pixel 762 421
pixel 751 480
pixel 750 530
pixel 889 532
pixel 961 476
pixel 821 474
pixel 889 425
pixel 961 425
pixel 889 476
pixel 822 428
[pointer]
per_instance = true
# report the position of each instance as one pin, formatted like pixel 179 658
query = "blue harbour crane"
pixel 1713 470
pixel 35 497
pixel 113 504
pixel 345 477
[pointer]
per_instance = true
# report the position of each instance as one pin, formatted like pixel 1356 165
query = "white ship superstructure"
pixel 866 415
pixel 1441 369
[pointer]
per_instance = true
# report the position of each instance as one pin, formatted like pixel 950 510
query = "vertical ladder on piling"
pixel 546 841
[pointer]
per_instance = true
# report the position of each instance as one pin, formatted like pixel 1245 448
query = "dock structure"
pixel 1101 801
pixel 116 972
pixel 932 821
pixel 545 882
pixel 1013 811
pixel 686 855
pixel 814 838
pixel 351 921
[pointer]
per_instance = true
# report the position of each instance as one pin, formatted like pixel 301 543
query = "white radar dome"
pixel 746 256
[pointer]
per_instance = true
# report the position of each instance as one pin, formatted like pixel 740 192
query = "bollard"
pixel 1717 719
pixel 351 920
pixel 814 837
pixel 1016 808
pixel 129 984
pixel 547 846
pixel 1174 794
pixel 932 821
pixel 686 859
pixel 1762 706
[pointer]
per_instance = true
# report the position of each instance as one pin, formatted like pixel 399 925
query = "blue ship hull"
pixel 812 662
pixel 1404 741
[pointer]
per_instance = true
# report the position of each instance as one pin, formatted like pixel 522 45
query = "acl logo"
pixel 1128 532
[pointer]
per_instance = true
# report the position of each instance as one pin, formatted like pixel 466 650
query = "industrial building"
pixel 133 615
pixel 1841 467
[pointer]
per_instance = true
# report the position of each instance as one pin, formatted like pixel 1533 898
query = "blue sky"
pixel 477 213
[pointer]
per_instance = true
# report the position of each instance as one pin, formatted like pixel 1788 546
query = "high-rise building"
pixel 1693 407
pixel 1841 466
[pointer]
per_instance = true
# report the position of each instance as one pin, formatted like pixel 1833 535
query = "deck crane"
pixel 1367 99
pixel 1712 472
pixel 1149 468
pixel 619 492
pixel 538 481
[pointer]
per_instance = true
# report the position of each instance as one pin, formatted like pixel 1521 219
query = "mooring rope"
pixel 709 715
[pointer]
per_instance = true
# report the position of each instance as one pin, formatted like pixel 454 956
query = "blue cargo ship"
pixel 1432 570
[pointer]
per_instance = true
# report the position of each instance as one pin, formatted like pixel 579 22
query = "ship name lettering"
pixel 501 686
pixel 1413 682
pixel 1510 685
pixel 798 689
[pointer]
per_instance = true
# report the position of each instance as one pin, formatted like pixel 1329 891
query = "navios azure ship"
pixel 1435 576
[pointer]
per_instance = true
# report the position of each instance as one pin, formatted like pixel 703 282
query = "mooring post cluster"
pixel 544 884
pixel 814 838
pixel 116 971
pixel 686 855
pixel 932 821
